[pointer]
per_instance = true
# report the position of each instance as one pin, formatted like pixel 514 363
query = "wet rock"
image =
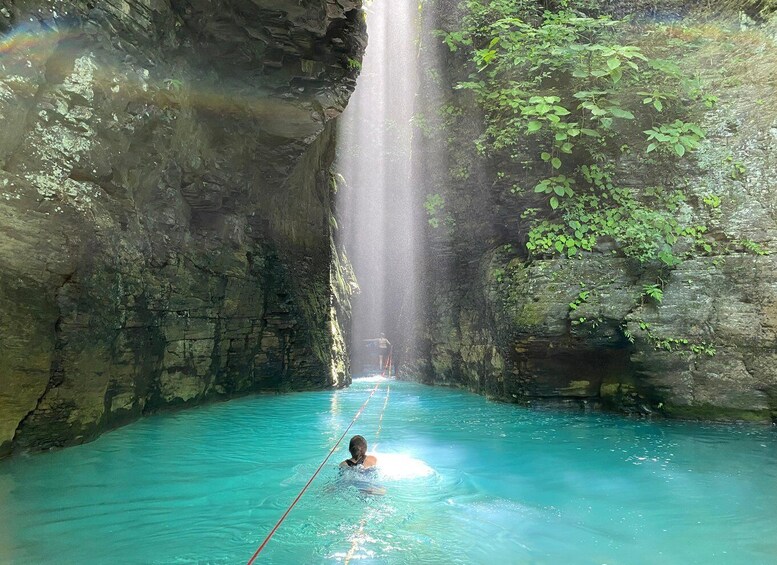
pixel 583 329
pixel 165 205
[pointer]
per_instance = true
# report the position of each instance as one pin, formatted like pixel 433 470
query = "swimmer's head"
pixel 358 448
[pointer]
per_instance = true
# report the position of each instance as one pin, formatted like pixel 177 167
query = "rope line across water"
pixel 331 451
pixel 363 522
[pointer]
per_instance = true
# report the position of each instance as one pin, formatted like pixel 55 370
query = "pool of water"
pixel 466 481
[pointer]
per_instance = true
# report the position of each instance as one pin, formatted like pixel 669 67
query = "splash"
pixel 400 466
pixel 372 379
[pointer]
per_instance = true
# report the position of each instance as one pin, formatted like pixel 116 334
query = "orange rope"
pixel 357 537
pixel 331 451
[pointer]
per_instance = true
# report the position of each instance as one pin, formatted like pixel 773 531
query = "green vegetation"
pixel 712 200
pixel 738 169
pixel 564 90
pixel 435 210
pixel 645 225
pixel 677 137
pixel 753 247
pixel 589 141
pixel 673 344
pixel 582 297
pixel 173 84
pixel 653 291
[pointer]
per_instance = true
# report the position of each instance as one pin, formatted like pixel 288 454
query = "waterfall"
pixel 379 209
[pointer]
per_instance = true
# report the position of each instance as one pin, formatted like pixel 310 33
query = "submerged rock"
pixel 165 203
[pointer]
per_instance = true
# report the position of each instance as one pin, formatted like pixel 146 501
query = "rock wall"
pixel 165 205
pixel 581 331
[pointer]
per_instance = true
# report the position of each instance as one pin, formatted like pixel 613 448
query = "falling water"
pixel 379 208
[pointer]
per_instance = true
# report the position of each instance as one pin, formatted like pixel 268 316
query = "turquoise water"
pixel 466 481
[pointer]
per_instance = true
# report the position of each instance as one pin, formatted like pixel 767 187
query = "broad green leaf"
pixel 613 63
pixel 679 149
pixel 533 126
pixel 620 113
pixel 697 130
pixel 554 203
pixel 556 162
pixel 665 66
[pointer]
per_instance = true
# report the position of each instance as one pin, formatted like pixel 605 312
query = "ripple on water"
pixel 459 480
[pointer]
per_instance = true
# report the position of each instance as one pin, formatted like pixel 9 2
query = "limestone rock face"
pixel 507 328
pixel 583 331
pixel 165 205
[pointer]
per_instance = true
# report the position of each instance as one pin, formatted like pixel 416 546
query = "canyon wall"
pixel 585 328
pixel 166 206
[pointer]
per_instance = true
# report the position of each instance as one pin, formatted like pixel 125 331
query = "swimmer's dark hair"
pixel 358 449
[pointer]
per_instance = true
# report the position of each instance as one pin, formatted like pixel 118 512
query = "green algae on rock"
pixel 561 318
pixel 166 203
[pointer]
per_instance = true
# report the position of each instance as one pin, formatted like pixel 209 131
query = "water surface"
pixel 466 481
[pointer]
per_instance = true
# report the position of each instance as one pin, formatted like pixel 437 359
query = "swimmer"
pixel 359 457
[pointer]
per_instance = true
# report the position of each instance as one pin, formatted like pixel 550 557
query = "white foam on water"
pixel 377 378
pixel 400 466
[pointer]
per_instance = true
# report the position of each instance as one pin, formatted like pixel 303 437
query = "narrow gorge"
pixel 177 223
pixel 397 281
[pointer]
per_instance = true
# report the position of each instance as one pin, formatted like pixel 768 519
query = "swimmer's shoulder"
pixel 370 461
